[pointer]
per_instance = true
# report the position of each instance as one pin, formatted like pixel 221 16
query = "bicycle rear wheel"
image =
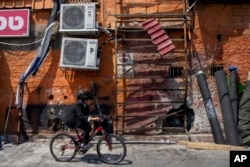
pixel 111 149
pixel 63 147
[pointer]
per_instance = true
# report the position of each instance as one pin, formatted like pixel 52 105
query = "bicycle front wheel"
pixel 63 147
pixel 111 149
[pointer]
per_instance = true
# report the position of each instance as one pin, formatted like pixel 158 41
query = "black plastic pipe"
pixel 210 110
pixel 231 132
pixel 233 85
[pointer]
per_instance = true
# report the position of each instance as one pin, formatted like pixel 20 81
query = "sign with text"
pixel 239 158
pixel 14 23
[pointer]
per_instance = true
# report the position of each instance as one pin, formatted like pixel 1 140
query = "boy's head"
pixel 86 97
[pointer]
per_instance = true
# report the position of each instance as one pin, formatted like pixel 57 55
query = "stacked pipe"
pixel 159 36
pixel 233 84
pixel 231 131
pixel 210 110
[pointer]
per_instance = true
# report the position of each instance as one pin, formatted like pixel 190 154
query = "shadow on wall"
pixel 5 90
pixel 76 81
pixel 34 113
pixel 152 88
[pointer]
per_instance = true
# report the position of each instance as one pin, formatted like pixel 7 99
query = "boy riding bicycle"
pixel 79 116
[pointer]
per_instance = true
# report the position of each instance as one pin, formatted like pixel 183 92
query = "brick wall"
pixel 50 79
pixel 230 22
pixel 220 37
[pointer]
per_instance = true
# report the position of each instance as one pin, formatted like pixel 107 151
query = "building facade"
pixel 134 83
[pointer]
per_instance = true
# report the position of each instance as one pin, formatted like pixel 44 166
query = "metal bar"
pixel 166 89
pixel 163 116
pixel 146 129
pixel 161 19
pixel 191 7
pixel 8 114
pixel 116 51
pixel 128 103
pixel 149 15
pixel 147 77
pixel 145 39
pixel 139 29
pixel 139 3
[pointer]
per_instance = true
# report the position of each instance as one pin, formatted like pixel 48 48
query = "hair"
pixel 85 96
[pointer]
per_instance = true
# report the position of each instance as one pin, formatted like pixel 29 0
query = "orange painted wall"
pixel 63 84
pixel 231 21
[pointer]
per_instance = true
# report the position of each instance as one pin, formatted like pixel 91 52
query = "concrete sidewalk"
pixel 37 154
pixel 151 138
pixel 146 151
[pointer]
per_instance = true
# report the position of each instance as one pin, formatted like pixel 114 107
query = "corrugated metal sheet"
pixel 159 36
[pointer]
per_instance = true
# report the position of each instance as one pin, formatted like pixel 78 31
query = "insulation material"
pixel 159 36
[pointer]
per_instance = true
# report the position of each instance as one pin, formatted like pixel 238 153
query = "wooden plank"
pixel 211 146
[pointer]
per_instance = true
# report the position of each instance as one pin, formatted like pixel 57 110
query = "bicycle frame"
pixel 69 144
pixel 97 130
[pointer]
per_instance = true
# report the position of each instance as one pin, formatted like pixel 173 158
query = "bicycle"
pixel 111 148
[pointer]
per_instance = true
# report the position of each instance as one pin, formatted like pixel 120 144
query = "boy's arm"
pixel 80 114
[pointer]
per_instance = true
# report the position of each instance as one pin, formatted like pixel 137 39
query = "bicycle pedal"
pixel 82 152
pixel 86 147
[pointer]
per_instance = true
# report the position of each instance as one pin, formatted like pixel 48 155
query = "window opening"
pixel 176 71
pixel 214 69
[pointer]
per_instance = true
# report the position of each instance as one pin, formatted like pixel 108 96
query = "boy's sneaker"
pixel 86 146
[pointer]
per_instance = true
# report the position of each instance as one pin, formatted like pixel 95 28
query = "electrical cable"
pixel 11 44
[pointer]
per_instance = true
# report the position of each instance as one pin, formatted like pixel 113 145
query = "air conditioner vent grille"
pixel 73 17
pixel 79 53
pixel 78 18
pixel 74 52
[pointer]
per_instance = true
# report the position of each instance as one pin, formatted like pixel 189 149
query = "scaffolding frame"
pixel 120 19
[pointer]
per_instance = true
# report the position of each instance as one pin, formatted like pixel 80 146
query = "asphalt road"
pixel 37 154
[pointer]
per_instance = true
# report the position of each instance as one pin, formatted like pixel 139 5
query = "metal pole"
pixel 8 114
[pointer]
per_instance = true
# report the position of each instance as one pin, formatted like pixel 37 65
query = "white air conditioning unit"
pixel 79 53
pixel 77 18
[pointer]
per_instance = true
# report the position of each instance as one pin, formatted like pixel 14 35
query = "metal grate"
pixel 213 69
pixel 176 72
